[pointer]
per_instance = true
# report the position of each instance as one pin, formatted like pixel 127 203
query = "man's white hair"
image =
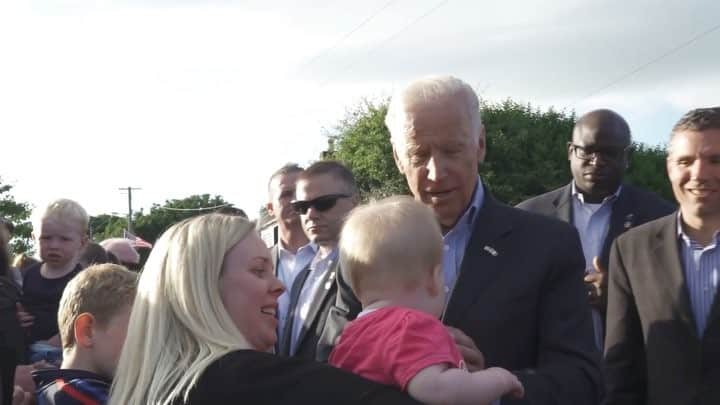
pixel 428 89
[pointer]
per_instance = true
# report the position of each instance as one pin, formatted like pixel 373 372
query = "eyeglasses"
pixel 322 203
pixel 591 153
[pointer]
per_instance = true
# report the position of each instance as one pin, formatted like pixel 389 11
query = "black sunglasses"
pixel 322 203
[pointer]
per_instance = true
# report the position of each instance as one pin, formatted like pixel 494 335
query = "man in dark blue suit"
pixel 515 279
pixel 596 201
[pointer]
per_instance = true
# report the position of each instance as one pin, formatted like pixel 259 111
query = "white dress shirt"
pixel 289 266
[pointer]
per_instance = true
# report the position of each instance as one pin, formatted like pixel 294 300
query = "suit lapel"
pixel 275 258
pixel 563 204
pixel 325 289
pixel 481 260
pixel 668 271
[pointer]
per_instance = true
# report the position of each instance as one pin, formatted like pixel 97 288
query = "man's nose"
pixel 435 168
pixel 698 169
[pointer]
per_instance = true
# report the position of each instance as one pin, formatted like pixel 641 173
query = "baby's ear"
pixel 435 281
pixel 84 329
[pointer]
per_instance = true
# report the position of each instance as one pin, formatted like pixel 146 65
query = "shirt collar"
pixel 468 216
pixel 579 196
pixel 310 245
pixel 685 237
pixel 324 262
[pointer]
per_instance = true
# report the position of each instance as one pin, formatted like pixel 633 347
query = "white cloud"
pixel 194 97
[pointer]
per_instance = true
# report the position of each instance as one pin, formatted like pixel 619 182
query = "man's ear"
pixel 83 328
pixel 269 209
pixel 482 146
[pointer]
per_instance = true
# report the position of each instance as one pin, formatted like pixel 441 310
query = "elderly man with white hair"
pixel 514 280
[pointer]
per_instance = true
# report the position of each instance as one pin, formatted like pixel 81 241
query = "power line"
pixel 390 38
pixel 650 62
pixel 345 37
pixel 194 209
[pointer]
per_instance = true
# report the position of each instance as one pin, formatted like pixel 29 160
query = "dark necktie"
pixel 294 296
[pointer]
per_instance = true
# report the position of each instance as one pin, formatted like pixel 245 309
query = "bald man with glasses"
pixel 597 202
pixel 325 193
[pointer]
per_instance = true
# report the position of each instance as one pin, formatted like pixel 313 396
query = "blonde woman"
pixel 203 321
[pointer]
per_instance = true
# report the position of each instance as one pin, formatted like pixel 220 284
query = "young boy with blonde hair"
pixel 93 319
pixel 391 255
pixel 61 234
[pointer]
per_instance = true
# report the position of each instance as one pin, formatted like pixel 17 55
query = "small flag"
pixel 137 241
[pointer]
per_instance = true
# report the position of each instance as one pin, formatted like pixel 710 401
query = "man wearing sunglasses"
pixel 596 202
pixel 325 193
pixel 514 279
pixel 293 252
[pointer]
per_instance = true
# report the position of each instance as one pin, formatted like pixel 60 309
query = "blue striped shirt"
pixel 456 240
pixel 700 267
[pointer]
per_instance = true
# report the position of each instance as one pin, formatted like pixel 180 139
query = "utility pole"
pixel 129 215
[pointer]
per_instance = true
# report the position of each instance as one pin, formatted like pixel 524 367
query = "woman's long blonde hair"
pixel 179 324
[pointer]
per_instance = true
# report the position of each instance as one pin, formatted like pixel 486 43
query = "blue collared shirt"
pixel 592 222
pixel 700 267
pixel 456 240
pixel 289 266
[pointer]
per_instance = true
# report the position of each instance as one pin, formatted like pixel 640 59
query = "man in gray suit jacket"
pixel 663 318
pixel 596 202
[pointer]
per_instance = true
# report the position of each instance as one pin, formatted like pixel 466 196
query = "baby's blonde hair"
pixel 65 210
pixel 392 243
pixel 100 290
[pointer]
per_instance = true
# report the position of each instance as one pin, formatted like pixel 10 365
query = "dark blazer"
pixel 251 377
pixel 633 207
pixel 653 354
pixel 327 317
pixel 520 297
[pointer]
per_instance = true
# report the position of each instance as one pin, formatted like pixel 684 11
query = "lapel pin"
pixel 328 285
pixel 490 250
pixel 628 221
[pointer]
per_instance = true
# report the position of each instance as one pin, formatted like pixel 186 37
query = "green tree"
pixel 106 226
pixel 160 217
pixel 647 170
pixel 19 214
pixel 362 142
pixel 151 225
pixel 527 152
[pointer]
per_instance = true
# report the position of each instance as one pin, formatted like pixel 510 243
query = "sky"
pixel 194 96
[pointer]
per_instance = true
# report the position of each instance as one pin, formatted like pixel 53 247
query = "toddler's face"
pixel 60 242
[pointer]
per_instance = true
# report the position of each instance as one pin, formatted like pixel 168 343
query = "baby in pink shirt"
pixel 391 254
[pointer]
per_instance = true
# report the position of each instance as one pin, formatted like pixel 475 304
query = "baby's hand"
pixel 511 384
